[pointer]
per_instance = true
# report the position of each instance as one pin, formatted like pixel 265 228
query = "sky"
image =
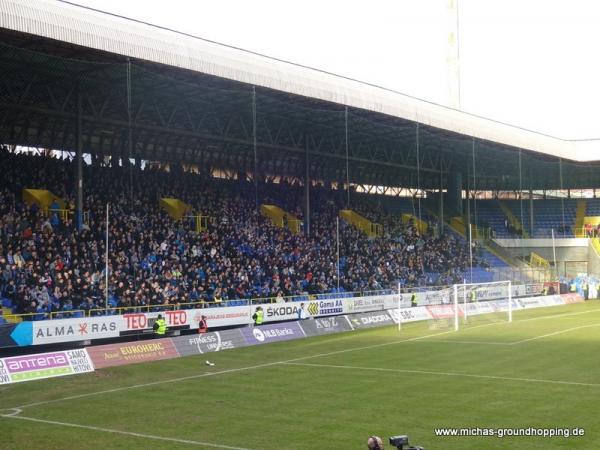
pixel 529 63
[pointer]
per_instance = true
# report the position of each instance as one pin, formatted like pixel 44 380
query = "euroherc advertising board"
pixel 132 352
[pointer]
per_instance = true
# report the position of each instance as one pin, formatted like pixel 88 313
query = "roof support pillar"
pixel 347 163
pixel 306 188
pixel 455 187
pixel 530 211
pixel 79 149
pixel 441 203
pixel 254 149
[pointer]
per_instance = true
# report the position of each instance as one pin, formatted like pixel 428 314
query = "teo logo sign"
pixel 141 321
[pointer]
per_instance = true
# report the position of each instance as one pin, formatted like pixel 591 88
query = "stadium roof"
pixel 191 100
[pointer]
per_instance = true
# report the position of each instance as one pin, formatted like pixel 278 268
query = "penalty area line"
pixel 125 433
pixel 445 374
pixel 542 336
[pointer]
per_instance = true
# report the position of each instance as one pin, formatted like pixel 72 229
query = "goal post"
pixel 399 307
pixel 482 303
pixel 455 306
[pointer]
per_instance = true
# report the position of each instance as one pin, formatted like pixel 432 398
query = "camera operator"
pixel 374 443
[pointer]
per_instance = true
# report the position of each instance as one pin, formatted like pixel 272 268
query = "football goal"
pixel 480 303
pixel 456 306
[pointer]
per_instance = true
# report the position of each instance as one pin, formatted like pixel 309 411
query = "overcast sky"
pixel 530 63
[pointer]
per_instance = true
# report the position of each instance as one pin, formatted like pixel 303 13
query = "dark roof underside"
pixel 184 116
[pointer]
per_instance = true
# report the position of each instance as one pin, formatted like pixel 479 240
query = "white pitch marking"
pixel 450 341
pixel 208 374
pixel 222 372
pixel 126 433
pixel 15 412
pixel 553 334
pixel 578 313
pixel 152 383
pixel 447 374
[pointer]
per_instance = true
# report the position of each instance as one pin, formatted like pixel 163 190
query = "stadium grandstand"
pixel 273 172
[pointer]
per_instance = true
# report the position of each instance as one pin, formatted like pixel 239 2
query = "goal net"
pixel 456 306
pixel 434 304
pixel 481 303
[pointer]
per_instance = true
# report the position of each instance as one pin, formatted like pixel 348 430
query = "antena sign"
pixel 44 365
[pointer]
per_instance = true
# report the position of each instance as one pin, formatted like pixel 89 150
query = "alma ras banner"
pixel 76 329
pixel 44 365
pixel 102 327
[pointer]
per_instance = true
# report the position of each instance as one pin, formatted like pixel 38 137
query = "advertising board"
pixel 102 327
pixel 370 303
pixel 76 329
pixel 113 326
pixel 132 352
pixel 16 334
pixel 272 333
pixel 274 312
pixel 195 344
pixel 442 311
pixel 487 292
pixel 572 298
pixel 222 317
pixel 325 325
pixel 370 319
pixel 410 314
pixel 44 365
pixel 476 308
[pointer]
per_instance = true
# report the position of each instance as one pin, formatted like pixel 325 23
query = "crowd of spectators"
pixel 48 265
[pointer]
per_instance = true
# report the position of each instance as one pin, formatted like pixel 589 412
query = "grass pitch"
pixel 542 370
